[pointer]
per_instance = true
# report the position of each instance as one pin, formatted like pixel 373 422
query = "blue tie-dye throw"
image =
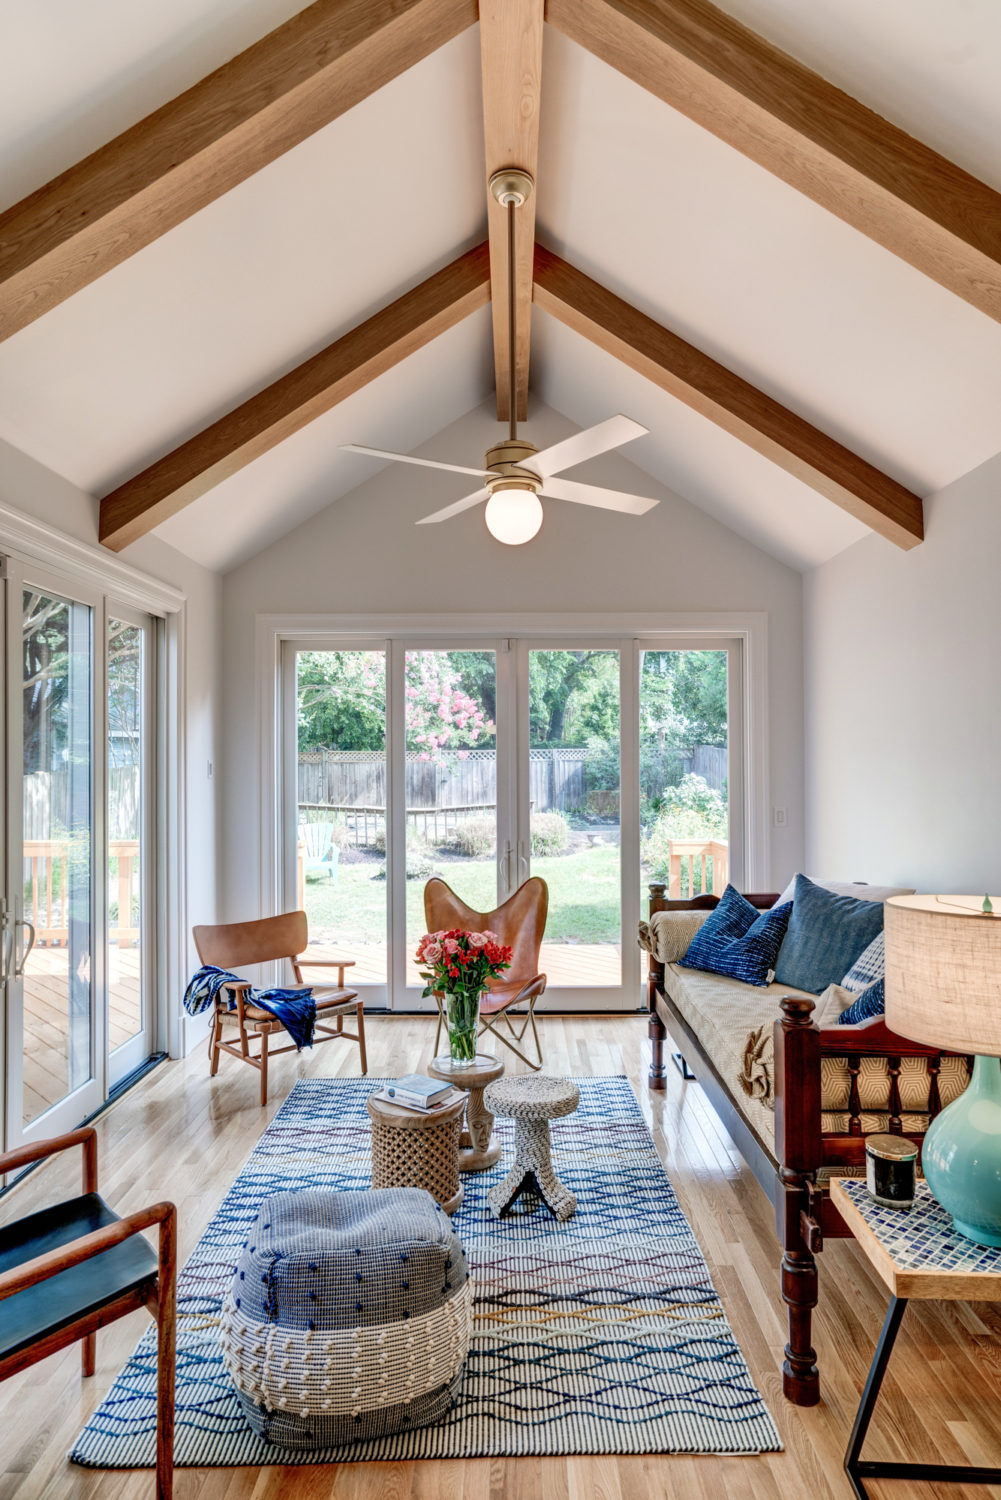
pixel 295 1009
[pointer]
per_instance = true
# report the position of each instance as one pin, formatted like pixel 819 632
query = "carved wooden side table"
pixel 477 1149
pixel 917 1254
pixel 410 1149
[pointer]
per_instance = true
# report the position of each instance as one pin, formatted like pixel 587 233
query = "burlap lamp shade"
pixel 943 988
pixel 943 972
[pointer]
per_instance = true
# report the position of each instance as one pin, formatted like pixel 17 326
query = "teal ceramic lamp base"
pixel 961 1156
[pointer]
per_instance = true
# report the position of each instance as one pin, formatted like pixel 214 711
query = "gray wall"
pixel 903 701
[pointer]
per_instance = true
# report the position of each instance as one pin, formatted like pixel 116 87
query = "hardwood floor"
pixel 184 1135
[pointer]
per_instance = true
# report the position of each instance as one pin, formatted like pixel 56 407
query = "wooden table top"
pixel 916 1251
pixel 469 1076
pixel 397 1117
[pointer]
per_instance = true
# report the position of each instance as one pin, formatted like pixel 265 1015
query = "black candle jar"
pixel 891 1164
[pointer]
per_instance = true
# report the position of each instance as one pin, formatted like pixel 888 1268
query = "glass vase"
pixel 463 1017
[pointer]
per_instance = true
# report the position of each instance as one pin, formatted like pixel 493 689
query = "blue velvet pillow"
pixel 738 940
pixel 826 934
pixel 871 1002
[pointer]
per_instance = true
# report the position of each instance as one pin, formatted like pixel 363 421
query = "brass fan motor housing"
pixel 505 462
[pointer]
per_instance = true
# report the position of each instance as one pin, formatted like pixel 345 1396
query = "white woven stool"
pixel 532 1101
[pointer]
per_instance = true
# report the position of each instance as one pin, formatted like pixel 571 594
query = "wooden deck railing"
pixel 47 905
pixel 710 857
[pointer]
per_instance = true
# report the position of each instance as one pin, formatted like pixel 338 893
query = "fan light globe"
pixel 514 516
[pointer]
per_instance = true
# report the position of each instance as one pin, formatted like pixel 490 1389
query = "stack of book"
pixel 418 1092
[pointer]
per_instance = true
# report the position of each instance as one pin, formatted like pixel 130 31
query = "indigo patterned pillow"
pixel 868 967
pixel 826 935
pixel 738 941
pixel 871 1002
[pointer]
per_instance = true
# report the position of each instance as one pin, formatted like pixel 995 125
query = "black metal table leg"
pixel 859 1469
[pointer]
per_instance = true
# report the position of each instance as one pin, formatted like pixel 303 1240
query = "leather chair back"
pixel 519 923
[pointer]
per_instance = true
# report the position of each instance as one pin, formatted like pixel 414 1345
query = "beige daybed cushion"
pixel 734 1023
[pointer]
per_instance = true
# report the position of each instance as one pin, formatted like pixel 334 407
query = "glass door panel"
pixel 341 784
pixel 57 1032
pixel 684 771
pixel 451 781
pixel 128 646
pixel 574 793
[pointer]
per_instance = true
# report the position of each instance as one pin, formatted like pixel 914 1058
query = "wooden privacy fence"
pixel 47 810
pixel 47 868
pixel 356 779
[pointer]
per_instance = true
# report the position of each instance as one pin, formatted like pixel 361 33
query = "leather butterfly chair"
pixel 519 924
pixel 68 1270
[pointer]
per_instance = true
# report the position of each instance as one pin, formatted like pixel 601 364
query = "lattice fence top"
pixel 377 757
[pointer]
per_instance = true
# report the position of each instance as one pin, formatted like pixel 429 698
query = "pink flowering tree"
pixel 443 722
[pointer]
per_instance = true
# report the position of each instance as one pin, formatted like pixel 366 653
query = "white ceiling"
pixel 308 472
pixel 651 205
pixel 930 66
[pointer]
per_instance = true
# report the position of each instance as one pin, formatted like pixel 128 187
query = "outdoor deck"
pixel 566 965
pixel 46 1054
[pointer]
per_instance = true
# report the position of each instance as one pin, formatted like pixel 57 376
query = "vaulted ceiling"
pixel 308 252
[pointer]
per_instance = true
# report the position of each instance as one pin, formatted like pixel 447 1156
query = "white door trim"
pixel 670 629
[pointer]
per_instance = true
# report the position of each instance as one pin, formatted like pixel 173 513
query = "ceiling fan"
pixel 515 473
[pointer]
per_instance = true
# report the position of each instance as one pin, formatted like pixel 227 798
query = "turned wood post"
pixel 798 1146
pixel 655 1026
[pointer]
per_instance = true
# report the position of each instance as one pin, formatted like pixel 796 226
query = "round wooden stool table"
pixel 477 1151
pixel 417 1150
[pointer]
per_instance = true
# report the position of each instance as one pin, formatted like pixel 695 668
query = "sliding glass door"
pixel 598 763
pixel 75 945
pixel 54 947
pixel 130 669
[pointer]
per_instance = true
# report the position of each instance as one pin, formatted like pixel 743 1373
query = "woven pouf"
pixel 349 1317
pixel 532 1100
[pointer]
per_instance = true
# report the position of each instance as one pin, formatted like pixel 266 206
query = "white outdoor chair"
pixel 319 852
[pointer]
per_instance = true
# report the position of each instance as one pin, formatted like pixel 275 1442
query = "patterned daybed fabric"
pixel 734 1022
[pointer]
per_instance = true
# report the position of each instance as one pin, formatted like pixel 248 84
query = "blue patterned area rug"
pixel 601 1335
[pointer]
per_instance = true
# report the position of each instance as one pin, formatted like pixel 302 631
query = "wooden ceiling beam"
pixel 795 124
pixel 299 397
pixel 511 56
pixel 195 148
pixel 731 402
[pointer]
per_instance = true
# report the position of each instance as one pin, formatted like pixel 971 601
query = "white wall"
pixel 903 701
pixel 38 492
pixel 363 554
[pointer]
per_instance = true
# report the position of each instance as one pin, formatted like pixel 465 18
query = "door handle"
pixel 6 944
pixel 19 963
pixel 522 866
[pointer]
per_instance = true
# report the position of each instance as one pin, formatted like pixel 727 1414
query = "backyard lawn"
pixel 583 896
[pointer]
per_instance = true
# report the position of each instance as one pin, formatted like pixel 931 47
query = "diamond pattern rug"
pixel 601 1335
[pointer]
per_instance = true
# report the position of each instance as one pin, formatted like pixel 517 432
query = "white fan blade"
pixel 454 510
pixel 611 433
pixel 405 458
pixel 593 494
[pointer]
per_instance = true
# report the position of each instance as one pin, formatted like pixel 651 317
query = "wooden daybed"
pixel 811 1134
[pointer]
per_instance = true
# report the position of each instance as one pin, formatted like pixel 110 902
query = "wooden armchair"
pixel 519 923
pixel 238 944
pixel 68 1270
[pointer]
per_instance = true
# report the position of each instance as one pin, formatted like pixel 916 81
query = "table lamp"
pixel 943 988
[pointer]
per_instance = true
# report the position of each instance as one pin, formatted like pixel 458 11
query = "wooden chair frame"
pixel 157 1293
pixel 271 939
pixel 788 1171
pixel 519 922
